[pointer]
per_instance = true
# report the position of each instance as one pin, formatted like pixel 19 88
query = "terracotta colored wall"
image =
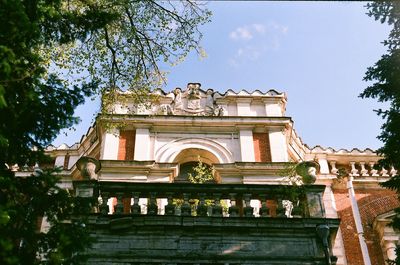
pixel 262 150
pixel 371 203
pixel 126 148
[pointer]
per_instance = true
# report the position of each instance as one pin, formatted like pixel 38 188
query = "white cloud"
pixel 241 33
pixel 260 28
pixel 255 41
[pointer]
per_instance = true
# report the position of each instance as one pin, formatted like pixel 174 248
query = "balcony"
pixel 183 223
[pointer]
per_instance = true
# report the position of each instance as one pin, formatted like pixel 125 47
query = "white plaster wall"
pixel 59 161
pixel 257 110
pixel 109 145
pixel 273 109
pixel 72 161
pixel 246 145
pixel 277 140
pixel 142 144
pixel 232 110
pixel 243 109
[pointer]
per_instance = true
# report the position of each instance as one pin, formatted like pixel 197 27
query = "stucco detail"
pixel 168 152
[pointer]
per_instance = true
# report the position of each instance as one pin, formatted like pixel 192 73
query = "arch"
pixel 169 152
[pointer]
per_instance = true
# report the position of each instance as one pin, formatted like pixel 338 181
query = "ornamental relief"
pixel 192 101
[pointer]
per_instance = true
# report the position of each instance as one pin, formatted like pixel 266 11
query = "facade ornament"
pixel 210 108
pixel 178 99
pixel 88 166
pixel 194 97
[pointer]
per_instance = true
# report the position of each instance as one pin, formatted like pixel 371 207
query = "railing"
pixel 214 200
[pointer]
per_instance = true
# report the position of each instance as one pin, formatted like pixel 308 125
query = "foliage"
pixel 23 202
pixel 385 75
pixel 53 54
pixel 201 173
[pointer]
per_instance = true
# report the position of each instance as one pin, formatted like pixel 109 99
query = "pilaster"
pixel 277 140
pixel 142 144
pixel 246 144
pixel 109 145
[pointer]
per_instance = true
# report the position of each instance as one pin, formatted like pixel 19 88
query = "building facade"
pixel 136 160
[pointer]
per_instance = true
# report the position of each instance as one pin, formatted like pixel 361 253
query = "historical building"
pixel 137 160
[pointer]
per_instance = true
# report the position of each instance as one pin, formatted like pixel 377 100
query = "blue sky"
pixel 316 52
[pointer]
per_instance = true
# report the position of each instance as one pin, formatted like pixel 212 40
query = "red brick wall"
pixel 371 203
pixel 262 150
pixel 126 148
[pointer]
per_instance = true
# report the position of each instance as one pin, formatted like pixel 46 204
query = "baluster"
pixel 170 207
pixel 234 209
pixel 248 210
pixel 334 170
pixel 364 171
pixel 152 208
pixel 374 172
pixel 217 208
pixel 280 210
pixel 264 211
pixel 186 209
pixel 135 208
pixel 104 206
pixel 354 170
pixel 297 211
pixel 393 172
pixel 202 208
pixel 119 208
pixel 384 172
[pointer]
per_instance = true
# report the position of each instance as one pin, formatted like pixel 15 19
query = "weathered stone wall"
pixel 207 240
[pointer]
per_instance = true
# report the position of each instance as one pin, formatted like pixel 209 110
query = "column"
pixel 109 145
pixel 142 144
pixel 246 144
pixel 277 141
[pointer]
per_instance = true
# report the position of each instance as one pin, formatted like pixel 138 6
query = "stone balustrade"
pixel 212 200
pixel 364 169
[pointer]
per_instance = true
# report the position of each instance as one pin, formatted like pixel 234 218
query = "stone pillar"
pixel 142 144
pixel 109 145
pixel 243 106
pixel 277 141
pixel 246 145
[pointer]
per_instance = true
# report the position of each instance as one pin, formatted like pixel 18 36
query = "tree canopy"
pixel 54 54
pixel 385 77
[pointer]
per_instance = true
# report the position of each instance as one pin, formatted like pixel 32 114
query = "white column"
pixel 109 145
pixel 142 144
pixel 246 145
pixel 277 141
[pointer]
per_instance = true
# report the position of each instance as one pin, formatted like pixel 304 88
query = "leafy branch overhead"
pixel 126 51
